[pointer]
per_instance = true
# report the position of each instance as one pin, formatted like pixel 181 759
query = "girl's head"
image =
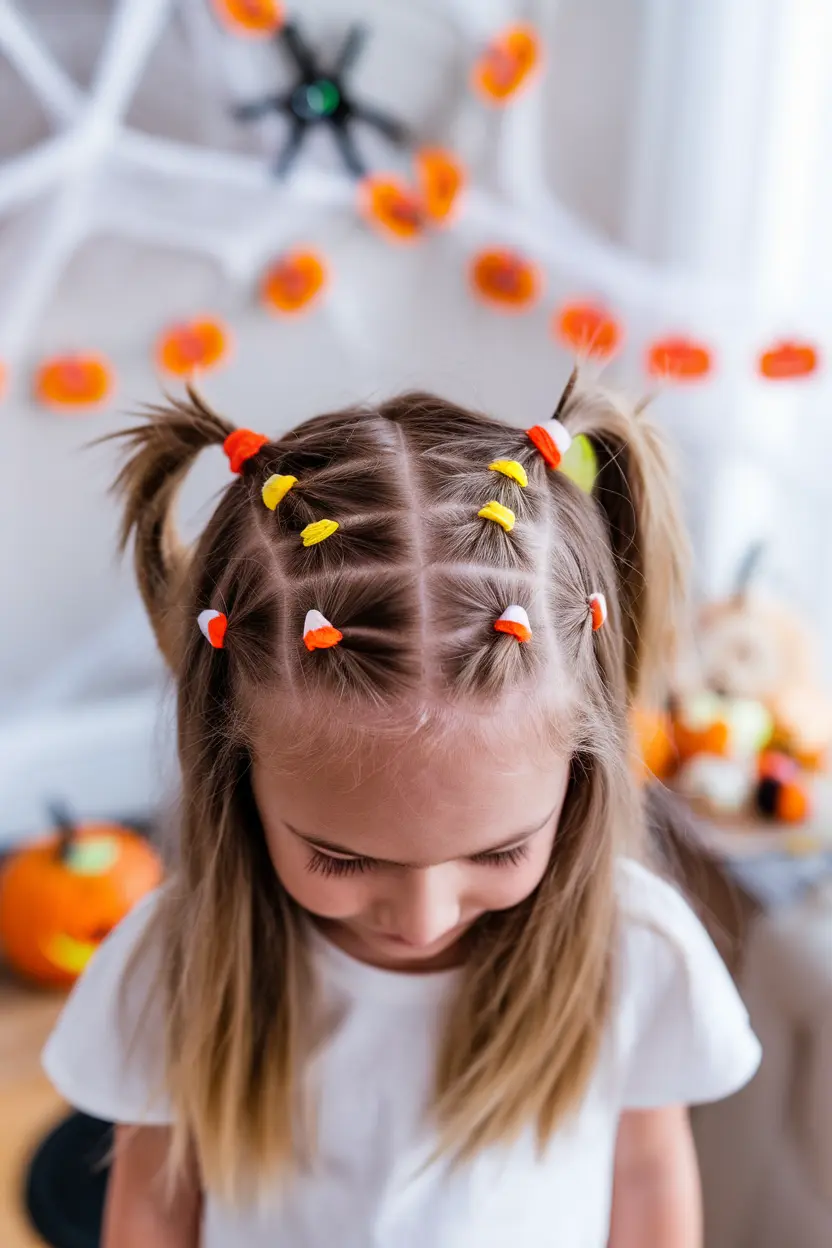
pixel 428 785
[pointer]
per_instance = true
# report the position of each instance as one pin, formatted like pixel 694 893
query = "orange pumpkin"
pixel 393 208
pixel 192 344
pixel 507 64
pixel 293 282
pixel 255 18
pixel 588 329
pixel 788 359
pixel 72 381
pixel 441 180
pixel 679 359
pixel 506 280
pixel 655 748
pixel 62 895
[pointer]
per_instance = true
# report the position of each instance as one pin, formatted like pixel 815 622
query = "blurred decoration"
pixel 786 360
pixel 253 18
pixel 191 345
pixel 62 895
pixel 320 97
pixel 588 329
pixel 441 180
pixel 655 748
pixel 74 381
pixel 580 463
pixel 293 283
pixel 679 359
pixel 505 279
pixel 507 64
pixel 3 381
pixel 393 209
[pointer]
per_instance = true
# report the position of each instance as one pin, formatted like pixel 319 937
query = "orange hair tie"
pixel 241 445
pixel 515 622
pixel 213 625
pixel 553 440
pixel 598 610
pixel 318 633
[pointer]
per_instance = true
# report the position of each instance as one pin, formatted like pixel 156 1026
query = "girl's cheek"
pixel 326 896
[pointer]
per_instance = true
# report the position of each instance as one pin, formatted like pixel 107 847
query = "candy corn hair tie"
pixel 553 440
pixel 275 489
pixel 318 633
pixel 598 610
pixel 512 469
pixel 318 531
pixel 241 445
pixel 501 515
pixel 515 622
pixel 213 625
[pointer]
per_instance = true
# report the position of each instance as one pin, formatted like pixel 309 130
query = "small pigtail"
pixel 161 451
pixel 635 488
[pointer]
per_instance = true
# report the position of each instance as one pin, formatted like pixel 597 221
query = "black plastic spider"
pixel 320 97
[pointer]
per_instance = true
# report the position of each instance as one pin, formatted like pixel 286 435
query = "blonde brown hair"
pixel 414 580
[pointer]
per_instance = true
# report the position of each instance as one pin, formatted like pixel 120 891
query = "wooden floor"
pixel 28 1105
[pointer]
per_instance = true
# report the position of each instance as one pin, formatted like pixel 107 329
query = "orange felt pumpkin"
pixel 293 282
pixel 588 329
pixel 788 359
pixel 507 64
pixel 62 895
pixel 441 180
pixel 73 381
pixel 679 359
pixel 393 208
pixel 505 279
pixel 256 18
pixel 192 344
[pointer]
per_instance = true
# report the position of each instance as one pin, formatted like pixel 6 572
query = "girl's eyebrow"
pixel 332 848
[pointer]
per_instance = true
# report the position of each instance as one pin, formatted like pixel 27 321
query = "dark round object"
pixel 67 1182
pixel 768 791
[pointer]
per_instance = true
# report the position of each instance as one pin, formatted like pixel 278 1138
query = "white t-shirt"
pixel 678 1034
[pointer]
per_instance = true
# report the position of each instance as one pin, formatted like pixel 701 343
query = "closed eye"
pixel 328 865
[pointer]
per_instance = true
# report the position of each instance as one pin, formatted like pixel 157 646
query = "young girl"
pixel 407 986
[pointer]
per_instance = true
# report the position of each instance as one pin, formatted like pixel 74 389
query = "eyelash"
pixel 324 864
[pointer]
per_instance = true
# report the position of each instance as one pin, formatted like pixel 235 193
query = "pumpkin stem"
pixel 65 826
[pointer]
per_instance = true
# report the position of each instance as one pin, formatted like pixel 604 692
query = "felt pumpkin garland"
pixel 679 359
pixel 293 283
pixel 253 18
pixel 788 359
pixel 190 345
pixel 74 381
pixel 505 280
pixel 507 64
pixel 588 329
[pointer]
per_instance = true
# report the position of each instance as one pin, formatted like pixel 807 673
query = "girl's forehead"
pixel 382 794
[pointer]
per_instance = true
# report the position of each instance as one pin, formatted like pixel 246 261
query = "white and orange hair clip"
pixel 552 440
pixel 597 604
pixel 515 622
pixel 213 626
pixel 318 633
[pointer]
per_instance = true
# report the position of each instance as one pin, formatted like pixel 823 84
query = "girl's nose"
pixel 427 907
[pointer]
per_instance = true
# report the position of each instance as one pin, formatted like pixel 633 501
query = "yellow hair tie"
pixel 318 532
pixel 510 468
pixel 501 515
pixel 276 488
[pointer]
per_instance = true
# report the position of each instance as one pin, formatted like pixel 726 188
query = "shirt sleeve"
pixel 106 1053
pixel 684 1035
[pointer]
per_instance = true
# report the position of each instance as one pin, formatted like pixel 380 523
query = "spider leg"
pixel 299 50
pixel 392 129
pixel 255 109
pixel 288 154
pixel 351 49
pixel 346 146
